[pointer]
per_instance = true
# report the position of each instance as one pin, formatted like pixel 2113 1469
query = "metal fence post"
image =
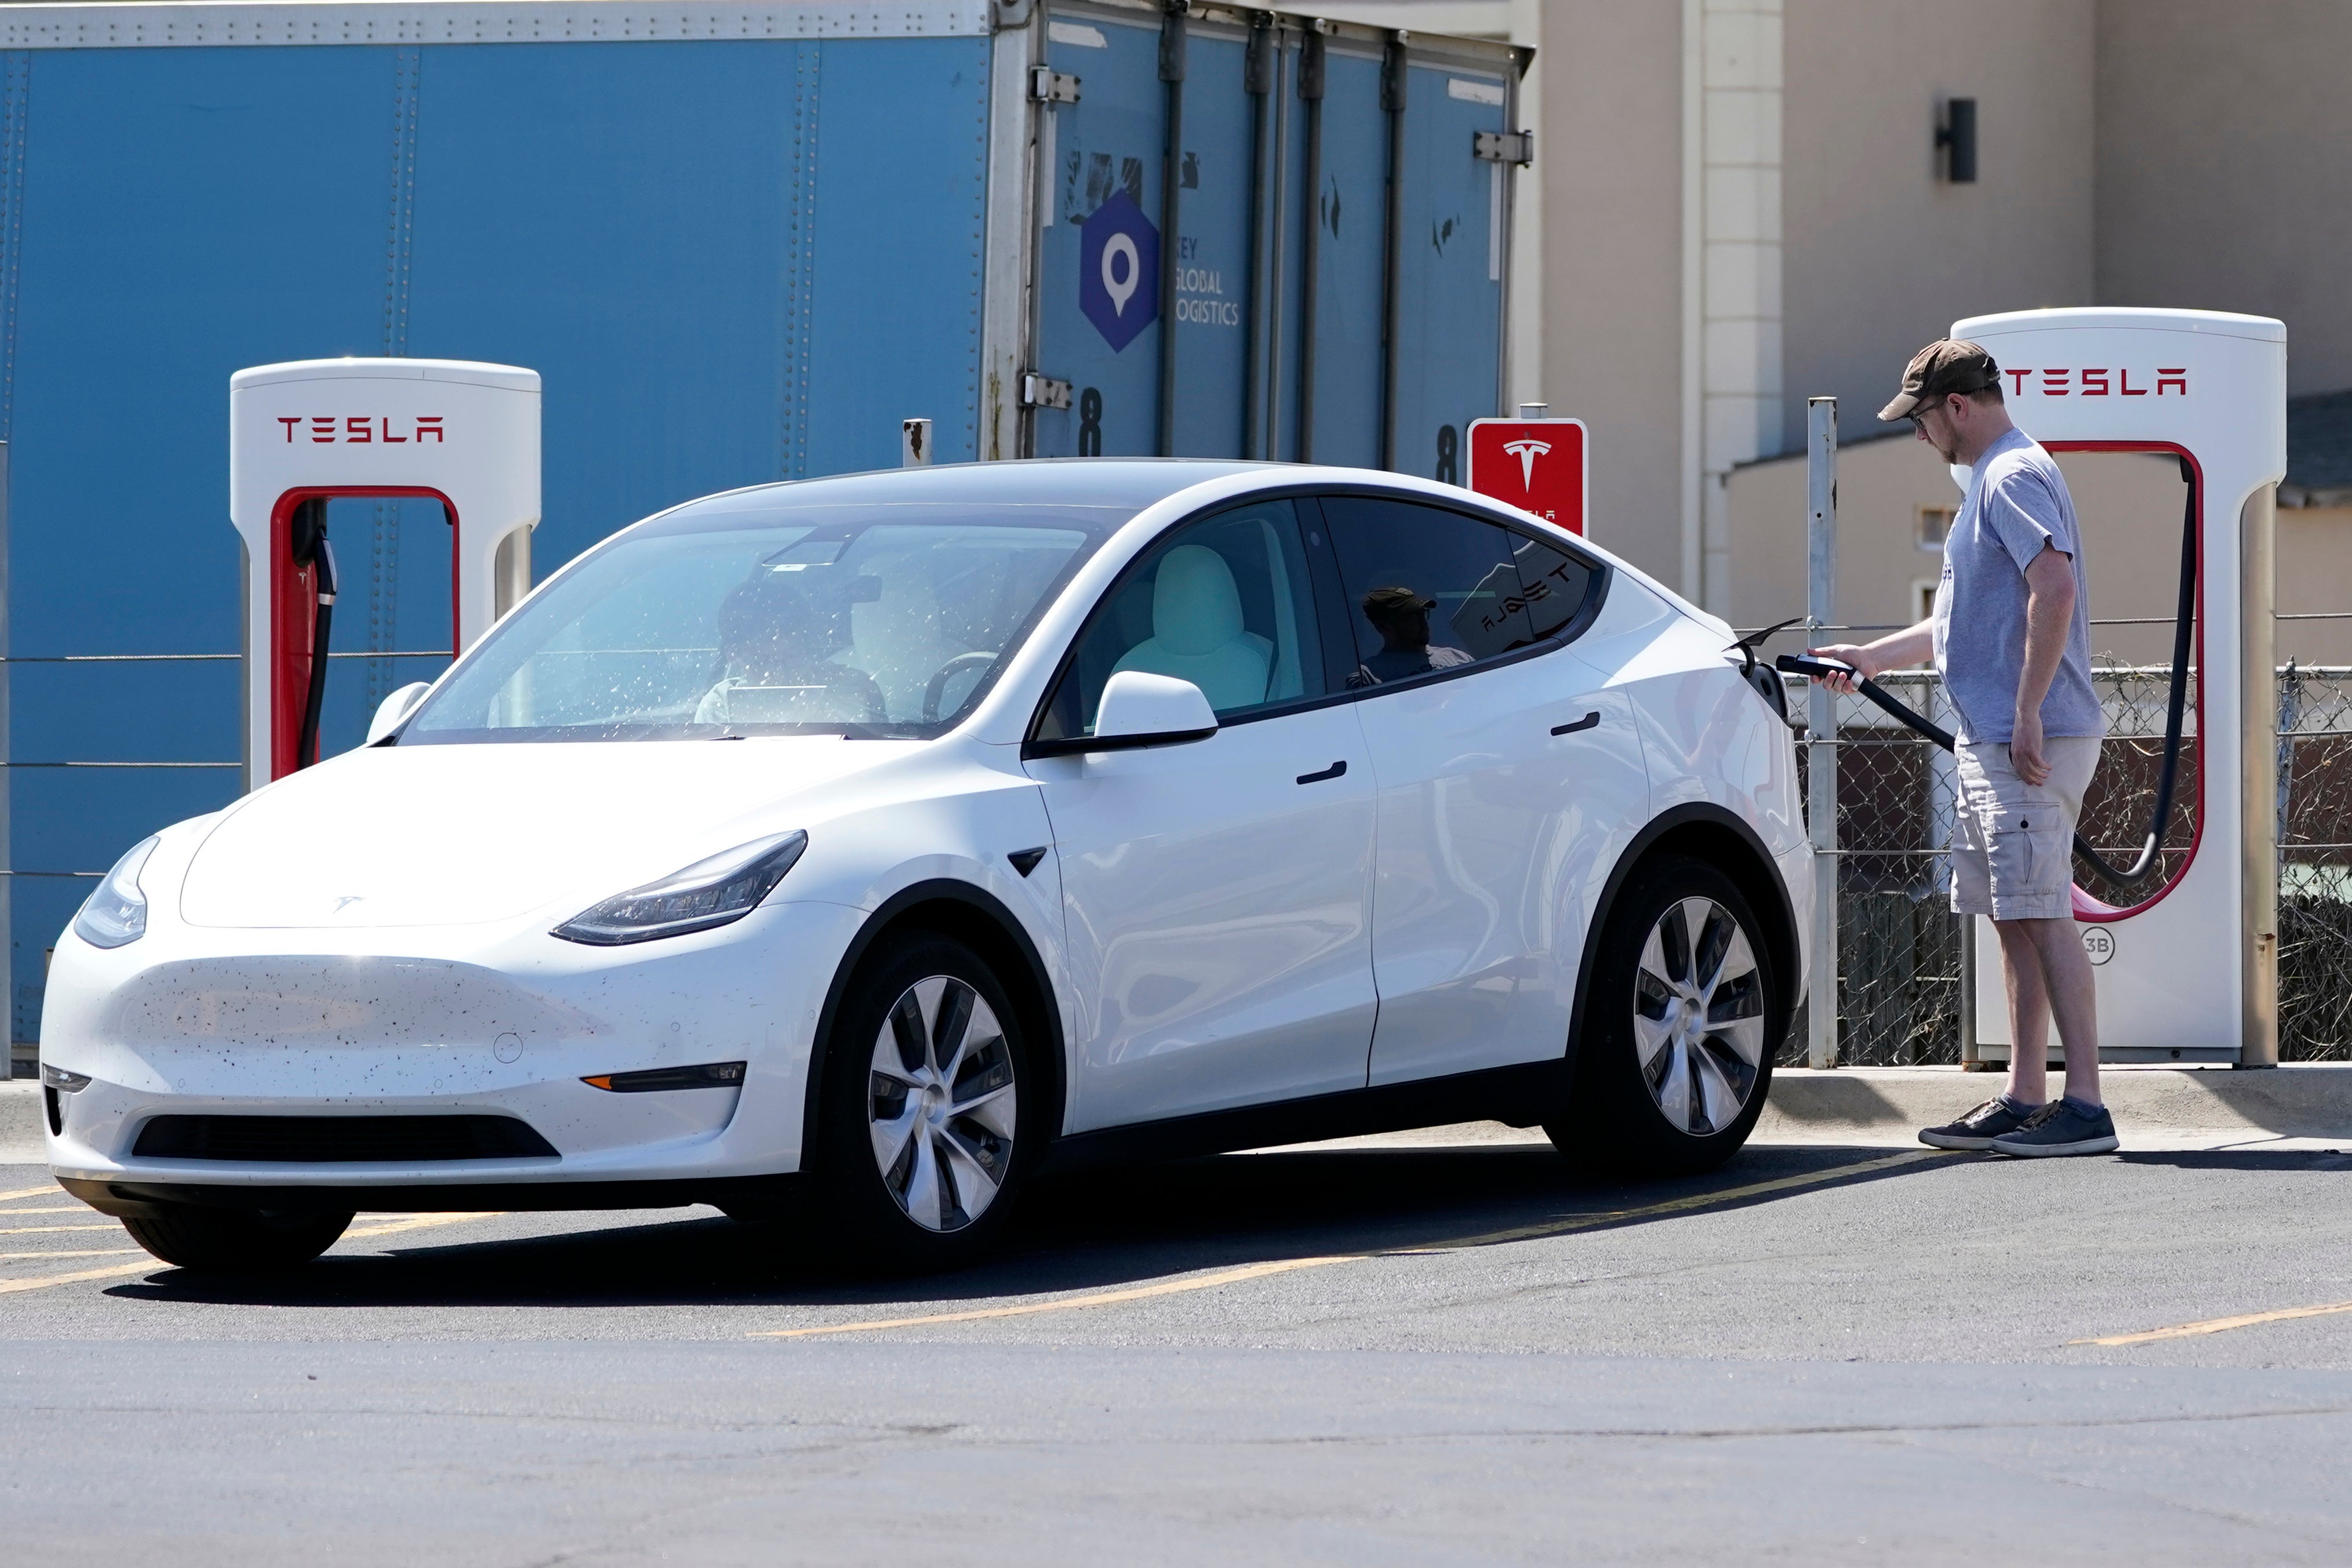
pixel 1821 752
pixel 2258 966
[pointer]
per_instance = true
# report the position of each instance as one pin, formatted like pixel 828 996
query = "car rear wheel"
pixel 235 1240
pixel 1681 1021
pixel 928 1125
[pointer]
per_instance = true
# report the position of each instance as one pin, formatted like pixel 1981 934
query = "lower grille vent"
pixel 341 1140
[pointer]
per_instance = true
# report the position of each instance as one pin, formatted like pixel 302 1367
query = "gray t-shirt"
pixel 2017 503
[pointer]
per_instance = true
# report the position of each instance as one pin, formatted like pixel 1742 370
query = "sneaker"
pixel 2061 1127
pixel 1997 1117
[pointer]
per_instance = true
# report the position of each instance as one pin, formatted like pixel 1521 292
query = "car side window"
pixel 1429 590
pixel 1223 603
pixel 1558 586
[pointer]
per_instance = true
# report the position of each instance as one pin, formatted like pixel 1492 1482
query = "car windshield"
pixel 765 618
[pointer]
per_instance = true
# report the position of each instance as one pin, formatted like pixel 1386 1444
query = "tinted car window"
pixel 1225 604
pixel 1430 589
pixel 1556 583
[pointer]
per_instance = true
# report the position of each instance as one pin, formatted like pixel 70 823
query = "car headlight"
pixel 707 894
pixel 116 912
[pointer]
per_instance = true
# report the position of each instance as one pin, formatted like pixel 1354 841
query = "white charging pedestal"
pixel 2190 974
pixel 464 435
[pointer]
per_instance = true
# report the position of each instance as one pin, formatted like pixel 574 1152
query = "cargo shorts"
pixel 2013 843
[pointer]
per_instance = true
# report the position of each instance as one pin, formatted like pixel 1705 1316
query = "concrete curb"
pixel 2299 1100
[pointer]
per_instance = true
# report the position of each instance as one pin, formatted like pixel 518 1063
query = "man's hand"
pixel 1865 664
pixel 2025 748
pixel 1911 645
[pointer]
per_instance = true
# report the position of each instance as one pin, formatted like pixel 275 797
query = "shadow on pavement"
pixel 2282 1162
pixel 1104 1229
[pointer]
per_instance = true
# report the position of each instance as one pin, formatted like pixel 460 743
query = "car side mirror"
pixel 1140 710
pixel 394 708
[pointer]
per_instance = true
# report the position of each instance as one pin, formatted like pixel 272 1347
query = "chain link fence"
pixel 1899 953
pixel 2314 770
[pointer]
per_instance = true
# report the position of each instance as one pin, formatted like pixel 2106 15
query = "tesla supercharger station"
pixel 2189 973
pixel 304 432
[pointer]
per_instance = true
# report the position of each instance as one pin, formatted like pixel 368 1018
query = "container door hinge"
pixel 1044 392
pixel 1049 86
pixel 1011 14
pixel 1505 146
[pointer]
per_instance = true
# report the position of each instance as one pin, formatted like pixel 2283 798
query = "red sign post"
pixel 1541 465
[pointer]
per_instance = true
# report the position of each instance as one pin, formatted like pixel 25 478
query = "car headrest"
pixel 1195 608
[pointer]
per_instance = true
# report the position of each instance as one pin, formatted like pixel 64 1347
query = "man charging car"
pixel 2010 636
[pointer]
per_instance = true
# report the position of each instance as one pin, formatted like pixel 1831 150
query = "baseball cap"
pixel 1396 601
pixel 1945 366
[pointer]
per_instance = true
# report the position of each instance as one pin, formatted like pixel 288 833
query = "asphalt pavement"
pixel 1376 1353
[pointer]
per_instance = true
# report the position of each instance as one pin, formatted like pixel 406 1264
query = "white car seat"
pixel 1197 634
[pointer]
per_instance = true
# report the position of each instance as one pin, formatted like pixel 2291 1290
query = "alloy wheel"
pixel 1698 1016
pixel 942 1103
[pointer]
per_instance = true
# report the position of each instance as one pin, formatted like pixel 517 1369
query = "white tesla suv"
pixel 868 846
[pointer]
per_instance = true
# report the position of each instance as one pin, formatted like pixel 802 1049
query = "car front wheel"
pixel 1680 1021
pixel 927 1123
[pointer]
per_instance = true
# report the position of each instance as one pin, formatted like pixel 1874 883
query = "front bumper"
pixel 247 1023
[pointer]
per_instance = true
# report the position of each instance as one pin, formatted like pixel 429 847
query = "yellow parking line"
pixel 1678 1205
pixel 412 1222
pixel 418 1222
pixel 1166 1288
pixel 47 1230
pixel 1291 1265
pixel 61 1208
pixel 10 1287
pixel 103 1252
pixel 51 1190
pixel 2218 1325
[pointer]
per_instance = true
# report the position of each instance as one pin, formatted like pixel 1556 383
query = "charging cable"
pixel 1816 668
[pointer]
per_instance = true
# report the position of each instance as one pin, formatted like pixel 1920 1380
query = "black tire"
pixel 902 1221
pixel 1618 1119
pixel 235 1240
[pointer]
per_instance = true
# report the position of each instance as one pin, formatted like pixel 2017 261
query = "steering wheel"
pixel 946 673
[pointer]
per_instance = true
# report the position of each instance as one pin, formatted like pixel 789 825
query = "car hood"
pixel 455 835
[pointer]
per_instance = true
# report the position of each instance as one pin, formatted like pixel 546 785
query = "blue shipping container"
pixel 741 244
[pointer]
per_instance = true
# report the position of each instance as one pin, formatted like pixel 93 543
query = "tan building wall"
pixel 2314 577
pixel 1611 168
pixel 2130 152
pixel 2129 507
pixel 2224 179
pixel 1882 253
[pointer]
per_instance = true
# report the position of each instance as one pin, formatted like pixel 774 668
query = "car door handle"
pixel 1334 771
pixel 1587 722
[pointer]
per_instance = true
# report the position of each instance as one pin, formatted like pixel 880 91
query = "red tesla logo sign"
pixel 355 429
pixel 1537 464
pixel 2101 382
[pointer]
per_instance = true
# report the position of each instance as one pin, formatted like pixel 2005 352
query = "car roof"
pixel 1130 484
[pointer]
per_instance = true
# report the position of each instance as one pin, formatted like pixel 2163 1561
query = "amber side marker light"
pixel 709 1075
